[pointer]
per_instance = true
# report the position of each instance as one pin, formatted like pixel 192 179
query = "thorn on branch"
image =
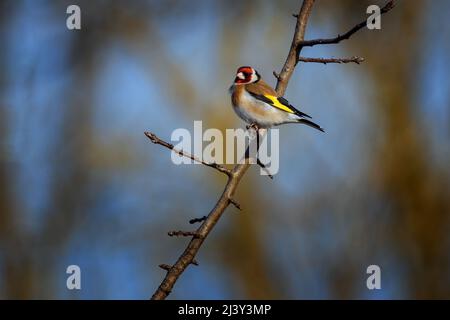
pixel 295 15
pixel 346 35
pixel 390 5
pixel 194 262
pixel 165 267
pixel 187 257
pixel 182 233
pixel 195 220
pixel 235 203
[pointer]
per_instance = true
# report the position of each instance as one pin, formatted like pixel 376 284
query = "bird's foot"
pixel 255 128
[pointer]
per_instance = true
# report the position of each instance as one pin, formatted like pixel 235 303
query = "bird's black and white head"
pixel 246 75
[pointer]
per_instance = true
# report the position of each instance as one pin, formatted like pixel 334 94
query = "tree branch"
pixel 187 257
pixel 165 267
pixel 356 60
pixel 235 175
pixel 348 34
pixel 236 204
pixel 195 220
pixel 170 146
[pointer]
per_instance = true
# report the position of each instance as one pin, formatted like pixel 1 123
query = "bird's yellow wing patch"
pixel 277 104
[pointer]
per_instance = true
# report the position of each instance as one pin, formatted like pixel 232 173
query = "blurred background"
pixel 81 184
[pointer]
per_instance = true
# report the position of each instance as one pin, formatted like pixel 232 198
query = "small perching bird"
pixel 258 104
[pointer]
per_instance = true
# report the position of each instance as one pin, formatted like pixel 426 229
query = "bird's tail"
pixel 311 124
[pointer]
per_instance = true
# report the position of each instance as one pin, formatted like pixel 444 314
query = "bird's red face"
pixel 245 75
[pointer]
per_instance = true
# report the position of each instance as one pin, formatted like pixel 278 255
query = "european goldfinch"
pixel 257 103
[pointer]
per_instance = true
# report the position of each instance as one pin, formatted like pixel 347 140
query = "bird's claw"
pixel 254 132
pixel 253 126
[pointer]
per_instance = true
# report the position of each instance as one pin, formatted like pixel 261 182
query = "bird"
pixel 257 103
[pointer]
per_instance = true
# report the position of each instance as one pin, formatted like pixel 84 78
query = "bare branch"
pixel 170 146
pixel 263 166
pixel 355 59
pixel 195 220
pixel 348 34
pixel 187 257
pixel 235 175
pixel 165 267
